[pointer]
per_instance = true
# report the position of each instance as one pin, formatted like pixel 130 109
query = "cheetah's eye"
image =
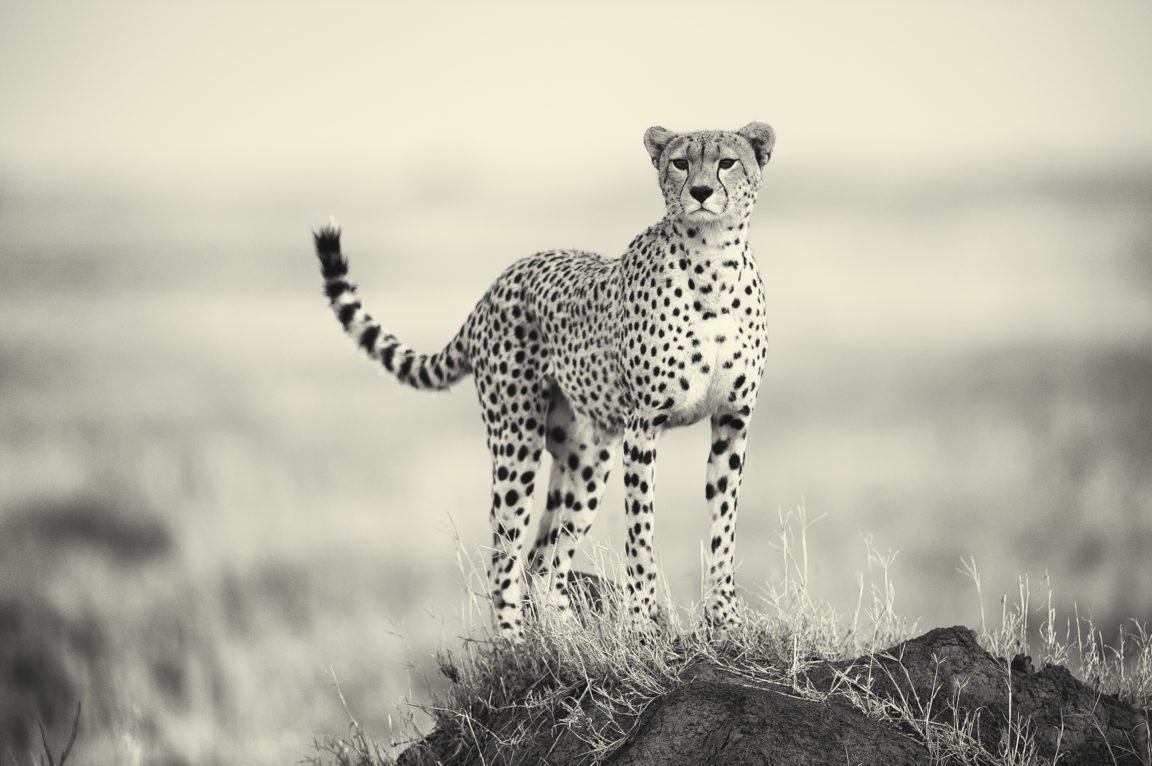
pixel 680 164
pixel 727 162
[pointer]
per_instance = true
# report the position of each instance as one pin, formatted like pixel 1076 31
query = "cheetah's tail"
pixel 421 371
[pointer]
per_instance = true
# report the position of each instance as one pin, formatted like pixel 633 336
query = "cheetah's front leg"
pixel 639 493
pixel 725 468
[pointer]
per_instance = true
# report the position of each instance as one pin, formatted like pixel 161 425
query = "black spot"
pixel 335 289
pixel 347 311
pixel 739 382
pixel 722 484
pixel 720 446
pixel 527 477
pixel 715 543
pixel 710 491
pixel 734 462
pixel 495 500
pixel 511 497
pixel 558 435
pixel 368 337
pixel 386 356
pixel 573 461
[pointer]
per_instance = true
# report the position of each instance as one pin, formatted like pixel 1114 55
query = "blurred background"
pixel 211 507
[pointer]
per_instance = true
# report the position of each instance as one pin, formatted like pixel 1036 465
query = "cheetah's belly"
pixel 711 380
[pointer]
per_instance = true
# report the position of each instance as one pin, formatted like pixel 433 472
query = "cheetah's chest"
pixel 710 325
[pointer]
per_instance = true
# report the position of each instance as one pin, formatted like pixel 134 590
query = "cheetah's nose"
pixel 700 193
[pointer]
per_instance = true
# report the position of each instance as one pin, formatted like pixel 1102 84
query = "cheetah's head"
pixel 711 177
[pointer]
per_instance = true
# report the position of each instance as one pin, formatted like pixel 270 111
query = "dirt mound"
pixel 946 673
pixel 948 683
pixel 716 722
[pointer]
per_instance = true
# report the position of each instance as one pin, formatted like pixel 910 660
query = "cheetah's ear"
pixel 762 138
pixel 655 139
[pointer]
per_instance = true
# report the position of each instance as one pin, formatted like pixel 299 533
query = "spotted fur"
pixel 588 357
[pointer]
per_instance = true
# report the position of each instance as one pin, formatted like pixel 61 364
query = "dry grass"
pixel 591 677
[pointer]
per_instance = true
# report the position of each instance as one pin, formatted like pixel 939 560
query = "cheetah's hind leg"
pixel 516 448
pixel 581 462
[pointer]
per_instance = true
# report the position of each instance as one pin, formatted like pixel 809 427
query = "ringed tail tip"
pixel 333 264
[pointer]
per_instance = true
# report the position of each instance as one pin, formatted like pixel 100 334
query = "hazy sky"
pixel 249 91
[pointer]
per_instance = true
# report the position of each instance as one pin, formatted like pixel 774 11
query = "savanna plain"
pixel 216 519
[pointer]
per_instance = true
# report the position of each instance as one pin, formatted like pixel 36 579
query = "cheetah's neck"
pixel 713 243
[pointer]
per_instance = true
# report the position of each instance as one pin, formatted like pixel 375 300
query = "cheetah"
pixel 589 357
